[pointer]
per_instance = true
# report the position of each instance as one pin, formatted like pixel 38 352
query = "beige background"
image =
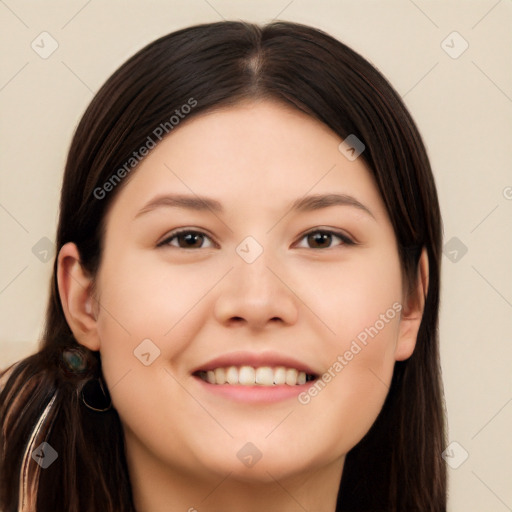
pixel 463 107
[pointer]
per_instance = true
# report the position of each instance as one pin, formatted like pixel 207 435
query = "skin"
pixel 298 298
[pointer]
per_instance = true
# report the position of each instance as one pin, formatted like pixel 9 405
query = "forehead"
pixel 262 153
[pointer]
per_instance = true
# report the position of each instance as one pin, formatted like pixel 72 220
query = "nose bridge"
pixel 254 278
pixel 254 282
pixel 252 260
pixel 253 292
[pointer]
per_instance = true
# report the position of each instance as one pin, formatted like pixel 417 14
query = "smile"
pixel 255 376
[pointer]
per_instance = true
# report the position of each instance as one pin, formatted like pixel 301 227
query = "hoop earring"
pixel 95 397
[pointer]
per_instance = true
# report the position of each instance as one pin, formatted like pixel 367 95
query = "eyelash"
pixel 166 242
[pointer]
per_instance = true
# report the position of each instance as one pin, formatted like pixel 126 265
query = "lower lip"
pixel 255 394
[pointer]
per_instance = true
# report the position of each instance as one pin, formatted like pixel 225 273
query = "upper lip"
pixel 255 359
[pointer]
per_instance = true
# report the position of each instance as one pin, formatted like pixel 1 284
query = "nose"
pixel 256 295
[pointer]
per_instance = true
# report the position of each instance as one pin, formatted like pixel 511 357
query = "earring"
pixel 95 397
pixel 75 360
pixel 94 393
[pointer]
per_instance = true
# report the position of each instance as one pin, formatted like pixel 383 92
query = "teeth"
pixel 232 375
pixel 247 376
pixel 260 376
pixel 291 376
pixel 220 376
pixel 279 375
pixel 265 376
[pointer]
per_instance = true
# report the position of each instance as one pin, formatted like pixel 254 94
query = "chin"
pixel 249 464
pixel 264 472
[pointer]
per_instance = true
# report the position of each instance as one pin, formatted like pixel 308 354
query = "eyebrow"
pixel 182 201
pixel 201 203
pixel 319 201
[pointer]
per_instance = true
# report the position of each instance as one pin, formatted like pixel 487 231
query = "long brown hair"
pixel 398 465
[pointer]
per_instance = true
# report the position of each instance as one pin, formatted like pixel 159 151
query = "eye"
pixel 187 239
pixel 324 239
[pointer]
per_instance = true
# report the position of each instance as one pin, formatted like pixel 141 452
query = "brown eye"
pixel 321 239
pixel 190 240
pixel 187 240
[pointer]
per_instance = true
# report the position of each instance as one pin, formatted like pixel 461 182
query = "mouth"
pixel 265 376
pixel 254 377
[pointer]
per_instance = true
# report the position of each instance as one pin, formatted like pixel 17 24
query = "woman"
pixel 245 301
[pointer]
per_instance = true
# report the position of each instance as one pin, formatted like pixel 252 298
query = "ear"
pixel 412 312
pixel 78 303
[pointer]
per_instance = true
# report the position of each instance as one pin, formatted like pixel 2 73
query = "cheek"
pixel 152 299
pixel 352 297
pixel 148 319
pixel 361 306
pixel 350 394
pixel 146 323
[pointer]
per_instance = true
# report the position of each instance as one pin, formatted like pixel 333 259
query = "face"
pixel 247 247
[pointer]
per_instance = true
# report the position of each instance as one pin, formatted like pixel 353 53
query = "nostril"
pixel 237 320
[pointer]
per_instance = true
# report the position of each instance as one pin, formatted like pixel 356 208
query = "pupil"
pixel 191 239
pixel 319 238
